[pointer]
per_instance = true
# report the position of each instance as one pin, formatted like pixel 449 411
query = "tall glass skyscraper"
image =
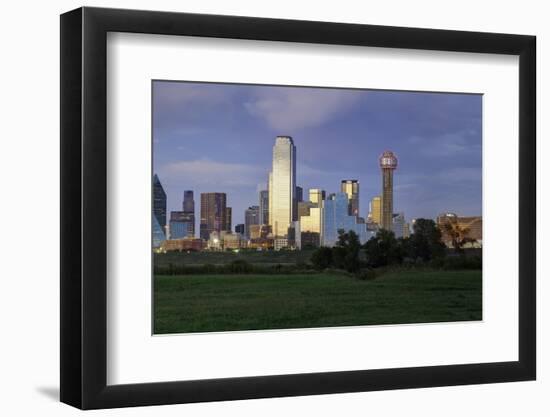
pixel 282 186
pixel 251 217
pixel 264 207
pixel 213 214
pixel 189 209
pixel 351 188
pixel 158 234
pixel 159 202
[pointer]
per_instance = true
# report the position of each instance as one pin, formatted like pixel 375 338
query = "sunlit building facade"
pixel 351 189
pixel 316 195
pixel 282 186
pixel 375 211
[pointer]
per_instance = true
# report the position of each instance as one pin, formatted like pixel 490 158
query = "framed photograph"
pixel 259 208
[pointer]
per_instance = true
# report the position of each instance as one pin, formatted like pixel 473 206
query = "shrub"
pixel 322 258
pixel 366 274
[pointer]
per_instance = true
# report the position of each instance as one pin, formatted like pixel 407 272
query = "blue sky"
pixel 218 138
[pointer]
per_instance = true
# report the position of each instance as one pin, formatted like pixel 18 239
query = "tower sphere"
pixel 388 160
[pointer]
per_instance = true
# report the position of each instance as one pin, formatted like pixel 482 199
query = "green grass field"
pixel 206 303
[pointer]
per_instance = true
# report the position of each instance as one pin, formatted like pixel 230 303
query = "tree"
pixel 425 242
pixel 345 255
pixel 322 258
pixel 458 234
pixel 383 249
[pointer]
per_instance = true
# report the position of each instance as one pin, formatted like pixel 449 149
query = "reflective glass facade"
pixel 158 234
pixel 264 207
pixel 282 186
pixel 336 217
pixel 213 214
pixel 351 188
pixel 159 202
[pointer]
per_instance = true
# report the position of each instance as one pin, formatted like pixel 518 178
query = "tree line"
pixel 424 246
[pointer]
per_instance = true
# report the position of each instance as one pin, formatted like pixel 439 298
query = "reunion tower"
pixel 388 163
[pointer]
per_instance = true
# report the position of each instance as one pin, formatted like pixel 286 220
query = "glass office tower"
pixel 351 188
pixel 189 208
pixel 159 202
pixel 158 234
pixel 264 207
pixel 282 186
pixel 336 217
pixel 213 214
pixel 251 217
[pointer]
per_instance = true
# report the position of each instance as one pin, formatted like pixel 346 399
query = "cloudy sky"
pixel 219 137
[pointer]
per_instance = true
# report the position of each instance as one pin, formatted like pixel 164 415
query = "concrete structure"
pixel 280 243
pixel 351 189
pixel 213 214
pixel 388 164
pixel 282 186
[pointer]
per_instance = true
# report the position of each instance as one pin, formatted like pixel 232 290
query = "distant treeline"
pixel 423 249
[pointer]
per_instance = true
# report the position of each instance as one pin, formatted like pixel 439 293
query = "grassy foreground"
pixel 205 303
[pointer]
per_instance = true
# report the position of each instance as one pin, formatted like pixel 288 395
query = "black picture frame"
pixel 84 207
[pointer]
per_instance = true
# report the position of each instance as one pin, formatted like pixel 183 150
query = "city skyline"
pixel 442 170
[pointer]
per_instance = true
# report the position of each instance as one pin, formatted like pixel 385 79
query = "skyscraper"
pixel 335 217
pixel 298 198
pixel 316 195
pixel 159 202
pixel 251 217
pixel 182 224
pixel 388 163
pixel 239 228
pixel 299 194
pixel 189 209
pixel 213 214
pixel 188 202
pixel 264 207
pixel 228 219
pixel 375 210
pixel 158 234
pixel 282 185
pixel 351 188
